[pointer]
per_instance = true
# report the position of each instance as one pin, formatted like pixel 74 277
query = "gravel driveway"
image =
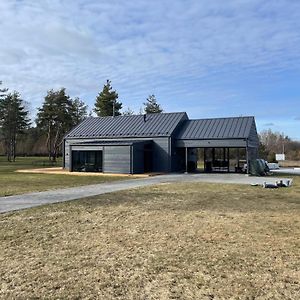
pixel 17 202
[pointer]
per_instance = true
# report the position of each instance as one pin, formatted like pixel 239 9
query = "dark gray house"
pixel 163 142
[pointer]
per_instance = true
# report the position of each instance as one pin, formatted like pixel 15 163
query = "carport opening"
pixel 87 161
pixel 217 160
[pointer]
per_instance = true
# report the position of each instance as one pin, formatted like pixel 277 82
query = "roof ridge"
pixel 136 115
pixel 219 118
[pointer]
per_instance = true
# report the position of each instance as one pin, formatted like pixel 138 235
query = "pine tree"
pixel 151 105
pixel 2 91
pixel 78 111
pixel 58 114
pixel 13 121
pixel 106 102
pixel 128 112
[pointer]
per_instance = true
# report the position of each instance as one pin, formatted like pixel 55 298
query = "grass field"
pixel 289 163
pixel 183 241
pixel 12 183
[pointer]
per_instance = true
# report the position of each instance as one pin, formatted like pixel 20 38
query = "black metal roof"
pixel 150 125
pixel 218 128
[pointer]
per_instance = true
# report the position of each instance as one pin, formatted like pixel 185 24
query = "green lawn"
pixel 172 241
pixel 12 183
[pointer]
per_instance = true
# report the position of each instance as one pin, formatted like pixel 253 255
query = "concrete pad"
pixel 17 202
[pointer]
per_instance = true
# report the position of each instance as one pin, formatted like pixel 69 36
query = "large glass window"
pixel 87 161
pixel 216 159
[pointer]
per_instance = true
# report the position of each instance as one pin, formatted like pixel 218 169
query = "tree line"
pixel 272 143
pixel 58 114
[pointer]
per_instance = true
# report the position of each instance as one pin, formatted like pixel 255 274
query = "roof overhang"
pixel 112 143
pixel 211 143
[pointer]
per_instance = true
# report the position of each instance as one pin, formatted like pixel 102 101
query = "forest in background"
pixel 59 113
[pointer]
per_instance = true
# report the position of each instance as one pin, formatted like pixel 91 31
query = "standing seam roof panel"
pixel 243 127
pixel 125 128
pixel 173 122
pixel 164 125
pixel 169 123
pixel 159 124
pixel 219 128
pixel 133 128
pixel 198 129
pixel 193 128
pixel 208 128
pixel 214 128
pixel 202 127
pixel 232 129
pixel 155 126
pixel 238 128
pixel 228 128
pixel 249 125
pixel 205 134
pixel 152 124
pixel 223 128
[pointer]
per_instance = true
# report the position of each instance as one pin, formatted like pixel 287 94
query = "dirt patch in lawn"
pixel 172 241
pixel 66 172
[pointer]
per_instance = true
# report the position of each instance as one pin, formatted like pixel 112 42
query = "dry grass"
pixel 183 241
pixel 289 163
pixel 12 183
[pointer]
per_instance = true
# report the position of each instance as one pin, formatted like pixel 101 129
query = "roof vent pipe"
pixel 144 117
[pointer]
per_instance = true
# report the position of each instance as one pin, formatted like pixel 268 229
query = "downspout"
pixel 247 157
pixel 131 160
pixel 228 159
pixel 186 160
pixel 170 154
pixel 103 159
pixel 70 159
pixel 63 153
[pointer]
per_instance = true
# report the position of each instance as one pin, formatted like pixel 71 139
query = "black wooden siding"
pixel 161 155
pixel 138 158
pixel 178 131
pixel 117 159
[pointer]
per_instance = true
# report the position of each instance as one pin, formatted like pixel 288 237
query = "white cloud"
pixel 172 48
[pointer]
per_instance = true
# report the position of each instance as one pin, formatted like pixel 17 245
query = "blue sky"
pixel 209 58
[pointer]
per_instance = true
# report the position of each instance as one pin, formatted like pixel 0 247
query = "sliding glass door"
pixel 87 161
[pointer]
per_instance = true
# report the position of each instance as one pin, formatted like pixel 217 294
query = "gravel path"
pixel 17 202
